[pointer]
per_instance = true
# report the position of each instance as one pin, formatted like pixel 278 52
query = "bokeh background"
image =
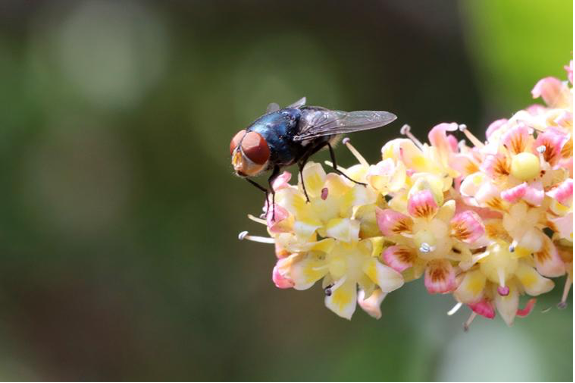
pixel 119 211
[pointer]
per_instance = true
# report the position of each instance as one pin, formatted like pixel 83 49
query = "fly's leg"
pixel 334 165
pixel 273 176
pixel 301 165
pixel 260 187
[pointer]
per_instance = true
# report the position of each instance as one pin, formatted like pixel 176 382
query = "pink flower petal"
pixel 563 193
pixel 495 126
pixel 391 222
pixel 564 226
pixel 422 204
pixel 281 182
pixel 531 192
pixel 467 226
pixel 548 261
pixel 280 274
pixel 275 219
pixel 534 194
pixel 528 308
pixel 548 89
pixel 496 165
pixel 483 308
pixel 515 193
pixel 517 139
pixel 372 304
pixel 439 138
pixel 399 258
pixel 553 141
pixel 439 277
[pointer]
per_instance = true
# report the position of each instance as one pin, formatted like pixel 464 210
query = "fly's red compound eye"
pixel 236 140
pixel 256 148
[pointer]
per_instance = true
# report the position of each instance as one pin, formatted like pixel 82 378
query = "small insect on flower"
pixel 283 137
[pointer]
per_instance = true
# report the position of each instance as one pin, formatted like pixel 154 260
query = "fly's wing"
pixel 330 122
pixel 273 107
pixel 298 103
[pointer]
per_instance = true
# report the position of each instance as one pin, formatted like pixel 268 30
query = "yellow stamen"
pixel 258 220
pixel 474 140
pixel 406 131
pixel 354 151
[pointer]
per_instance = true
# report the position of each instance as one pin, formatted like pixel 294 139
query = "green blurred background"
pixel 119 211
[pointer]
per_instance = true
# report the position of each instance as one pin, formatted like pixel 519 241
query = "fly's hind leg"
pixel 334 165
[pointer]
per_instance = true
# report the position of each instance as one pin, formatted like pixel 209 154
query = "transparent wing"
pixel 298 103
pixel 273 107
pixel 328 122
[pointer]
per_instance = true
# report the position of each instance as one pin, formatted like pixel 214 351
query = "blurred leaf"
pixel 515 43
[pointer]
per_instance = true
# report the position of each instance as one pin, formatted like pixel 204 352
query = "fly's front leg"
pixel 260 187
pixel 273 176
pixel 334 165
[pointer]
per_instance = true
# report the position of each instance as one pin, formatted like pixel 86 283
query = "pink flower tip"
pixel 483 308
pixel 422 204
pixel 549 89
pixel 280 280
pixel 391 222
pixel 281 182
pixel 274 217
pixel 399 258
pixel 467 226
pixel 563 193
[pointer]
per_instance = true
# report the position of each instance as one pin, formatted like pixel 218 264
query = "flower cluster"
pixel 487 222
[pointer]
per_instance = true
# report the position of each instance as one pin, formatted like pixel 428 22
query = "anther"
pixel 324 193
pixel 503 291
pixel 328 291
pixel 541 149
pixel 563 304
pixel 242 235
pixel 513 246
pixel 425 248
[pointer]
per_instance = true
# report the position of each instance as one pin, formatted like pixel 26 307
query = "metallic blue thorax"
pixel 278 129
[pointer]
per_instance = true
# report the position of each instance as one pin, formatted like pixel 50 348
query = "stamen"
pixel 468 322
pixel 328 290
pixel 346 142
pixel 477 257
pixel 455 308
pixel 541 149
pixel 474 140
pixel 426 248
pixel 258 220
pixel 406 131
pixel 245 235
pixel 324 193
pixel 563 304
pixel 502 289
